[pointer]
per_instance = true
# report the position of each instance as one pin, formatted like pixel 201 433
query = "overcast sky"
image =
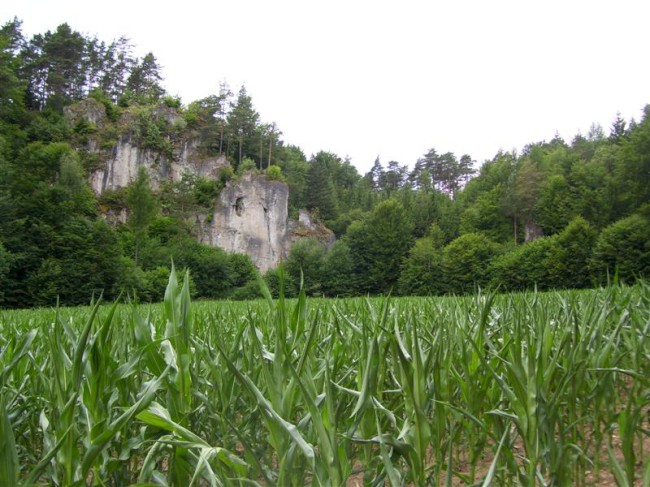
pixel 389 79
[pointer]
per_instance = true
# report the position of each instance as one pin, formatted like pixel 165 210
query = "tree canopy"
pixel 557 215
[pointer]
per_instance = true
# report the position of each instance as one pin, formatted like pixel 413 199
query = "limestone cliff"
pixel 251 213
pixel 123 145
pixel 121 167
pixel 251 216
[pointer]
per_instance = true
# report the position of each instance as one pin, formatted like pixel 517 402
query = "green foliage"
pixel 634 166
pixel 242 124
pixel 553 210
pixel 185 198
pixel 241 271
pixel 6 260
pixel 344 220
pixel 555 262
pixel 279 283
pixel 485 216
pixel 423 273
pixel 206 191
pixel 379 245
pixel 320 190
pixel 466 260
pixel 167 230
pixel 142 208
pixel 112 111
pixel 208 266
pixel 274 173
pixel 226 174
pixel 568 263
pixel 246 165
pixel 305 264
pixel 294 167
pixel 79 252
pixel 525 266
pixel 152 132
pixel 143 85
pixel 337 271
pixel 143 286
pixel 171 102
pixel 623 248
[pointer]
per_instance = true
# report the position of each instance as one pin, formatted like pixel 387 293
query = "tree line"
pixel 558 214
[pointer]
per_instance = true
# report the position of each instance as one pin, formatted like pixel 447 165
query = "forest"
pixel 557 215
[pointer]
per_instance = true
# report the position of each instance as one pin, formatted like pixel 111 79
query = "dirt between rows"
pixel 603 478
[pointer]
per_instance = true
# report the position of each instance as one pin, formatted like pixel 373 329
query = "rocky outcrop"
pixel 307 227
pixel 251 214
pixel 90 110
pixel 532 231
pixel 121 167
pixel 251 217
pixel 119 160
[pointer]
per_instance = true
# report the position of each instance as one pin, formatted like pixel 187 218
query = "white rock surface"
pixel 251 217
pixel 122 166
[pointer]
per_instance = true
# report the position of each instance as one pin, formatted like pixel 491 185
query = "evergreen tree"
pixel 144 81
pixel 142 209
pixel 54 65
pixel 338 271
pixel 320 191
pixel 378 246
pixel 242 124
pixel 12 88
pixel 423 274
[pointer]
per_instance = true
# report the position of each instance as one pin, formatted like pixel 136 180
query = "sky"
pixel 367 79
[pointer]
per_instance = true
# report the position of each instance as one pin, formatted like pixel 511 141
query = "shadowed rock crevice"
pixel 239 206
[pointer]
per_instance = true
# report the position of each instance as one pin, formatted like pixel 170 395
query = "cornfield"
pixel 533 389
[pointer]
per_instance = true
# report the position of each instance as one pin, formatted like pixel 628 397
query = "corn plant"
pixel 525 389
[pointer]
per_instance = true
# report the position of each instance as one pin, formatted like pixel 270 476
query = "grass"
pixel 519 389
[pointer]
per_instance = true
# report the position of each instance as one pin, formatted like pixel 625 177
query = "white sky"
pixel 389 79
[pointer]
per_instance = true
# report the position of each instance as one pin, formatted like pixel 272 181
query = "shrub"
pixel 524 267
pixel 422 273
pixel 276 278
pixel 338 271
pixel 246 165
pixel 306 259
pixel 623 247
pixel 568 261
pixel 274 173
pixel 466 260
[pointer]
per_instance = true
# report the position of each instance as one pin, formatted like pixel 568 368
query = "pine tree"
pixel 142 209
pixel 320 193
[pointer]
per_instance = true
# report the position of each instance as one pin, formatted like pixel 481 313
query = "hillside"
pixel 105 180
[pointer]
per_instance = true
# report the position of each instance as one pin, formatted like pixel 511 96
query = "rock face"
pixel 251 217
pixel 532 231
pixel 307 227
pixel 122 166
pixel 119 164
pixel 251 214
